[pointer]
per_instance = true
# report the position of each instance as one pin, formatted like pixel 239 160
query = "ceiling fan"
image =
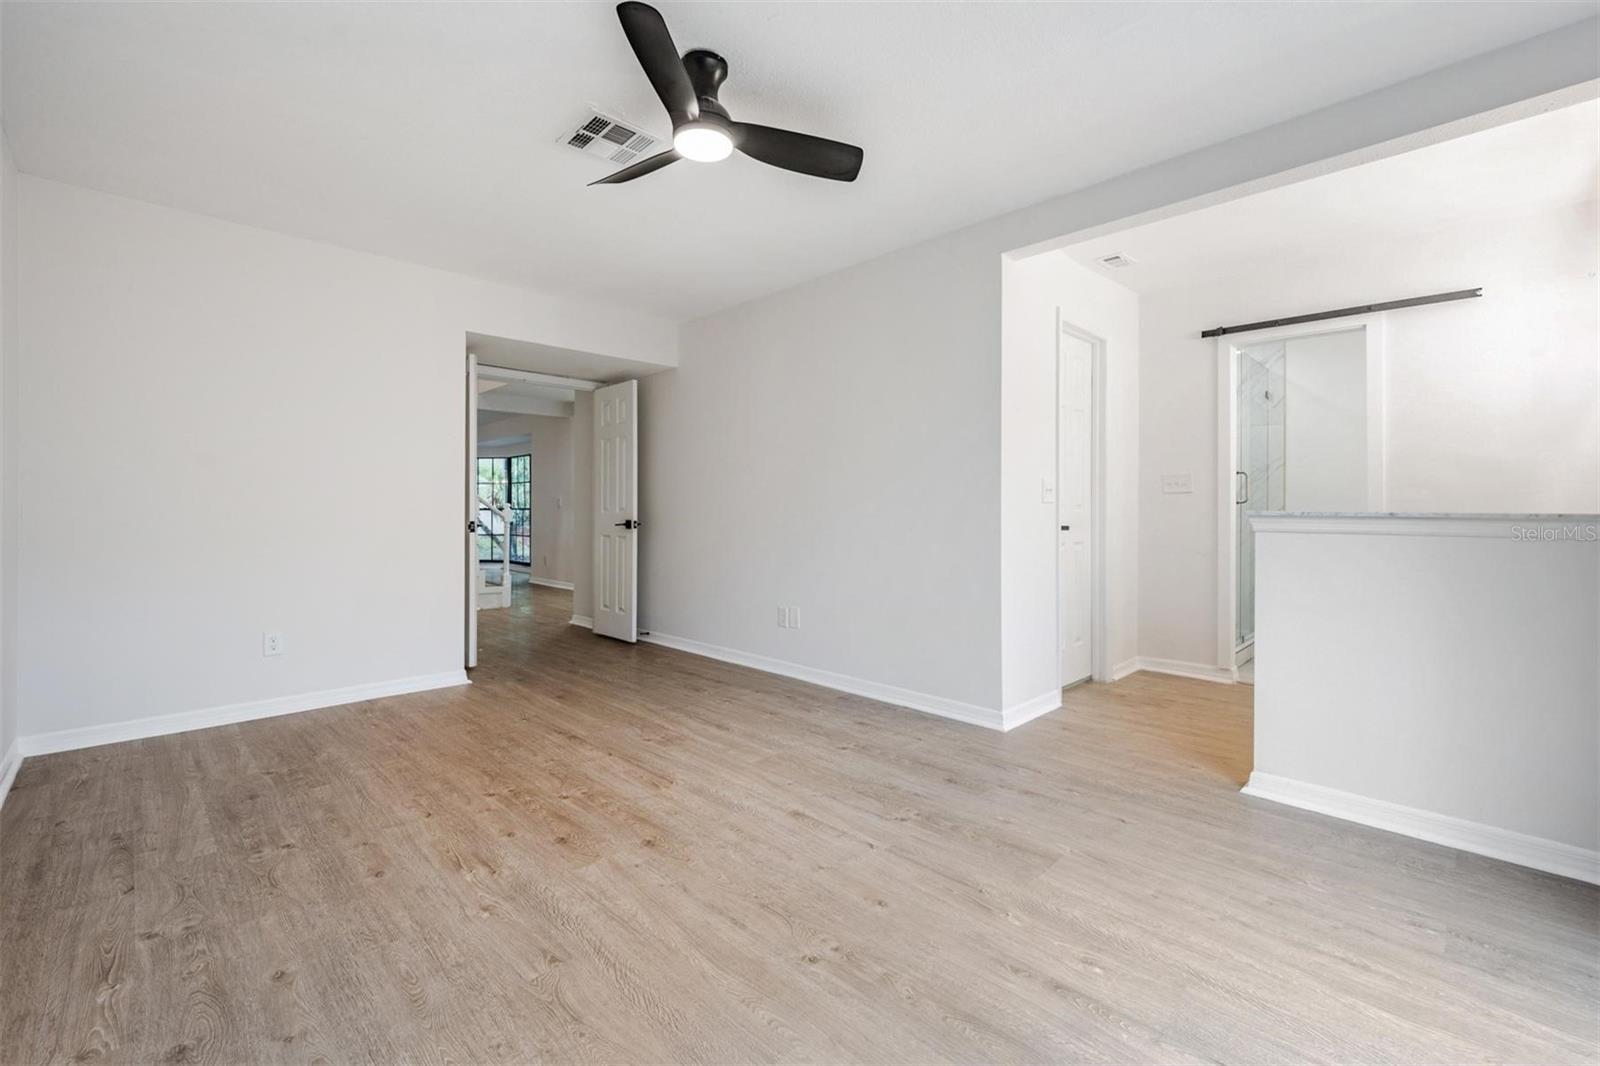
pixel 701 128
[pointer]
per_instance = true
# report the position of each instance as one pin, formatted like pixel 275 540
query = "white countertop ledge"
pixel 1542 528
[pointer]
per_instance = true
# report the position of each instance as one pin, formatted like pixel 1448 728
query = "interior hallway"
pixel 611 852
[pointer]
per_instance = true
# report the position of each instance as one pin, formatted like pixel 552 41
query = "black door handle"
pixel 1065 528
pixel 628 523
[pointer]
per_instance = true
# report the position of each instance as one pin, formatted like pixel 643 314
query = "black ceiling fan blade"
pixel 647 32
pixel 799 152
pixel 639 169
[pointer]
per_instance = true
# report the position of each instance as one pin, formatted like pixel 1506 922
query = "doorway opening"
pixel 551 495
pixel 1302 411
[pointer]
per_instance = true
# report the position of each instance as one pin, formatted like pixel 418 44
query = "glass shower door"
pixel 1259 467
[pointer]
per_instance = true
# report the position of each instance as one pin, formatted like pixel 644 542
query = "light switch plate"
pixel 1047 491
pixel 1176 483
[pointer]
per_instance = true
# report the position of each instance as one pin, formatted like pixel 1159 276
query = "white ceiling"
pixel 428 132
pixel 523 398
pixel 490 433
pixel 1543 162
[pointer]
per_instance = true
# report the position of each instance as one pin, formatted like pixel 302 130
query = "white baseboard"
pixel 583 620
pixel 10 763
pixel 229 714
pixel 1028 710
pixel 1179 668
pixel 1551 856
pixel 1124 668
pixel 550 583
pixel 970 713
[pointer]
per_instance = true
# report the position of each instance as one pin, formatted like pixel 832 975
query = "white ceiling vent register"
pixel 606 139
pixel 1114 261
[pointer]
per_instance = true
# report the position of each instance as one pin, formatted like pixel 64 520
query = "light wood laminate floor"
pixel 600 852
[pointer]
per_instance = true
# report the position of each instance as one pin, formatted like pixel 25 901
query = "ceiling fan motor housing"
pixel 707 71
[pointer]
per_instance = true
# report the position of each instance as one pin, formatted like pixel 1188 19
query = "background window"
pixel 509 481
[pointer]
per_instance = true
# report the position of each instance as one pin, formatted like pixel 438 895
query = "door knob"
pixel 628 523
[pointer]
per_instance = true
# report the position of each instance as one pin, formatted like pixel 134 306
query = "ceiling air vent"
pixel 608 140
pixel 1114 261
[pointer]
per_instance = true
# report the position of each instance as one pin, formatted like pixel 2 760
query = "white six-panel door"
pixel 1074 433
pixel 616 510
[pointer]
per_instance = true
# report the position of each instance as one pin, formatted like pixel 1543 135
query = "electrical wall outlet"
pixel 1047 490
pixel 788 618
pixel 272 644
pixel 1172 483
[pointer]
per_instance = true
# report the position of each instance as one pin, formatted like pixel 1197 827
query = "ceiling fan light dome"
pixel 702 142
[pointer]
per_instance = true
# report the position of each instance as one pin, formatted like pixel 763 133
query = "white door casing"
pixel 1074 481
pixel 616 511
pixel 472 511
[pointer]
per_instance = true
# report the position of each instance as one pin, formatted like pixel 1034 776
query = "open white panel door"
pixel 472 510
pixel 1075 429
pixel 616 511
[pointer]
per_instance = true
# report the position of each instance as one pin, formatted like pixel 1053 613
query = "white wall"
pixel 835 447
pixel 838 446
pixel 1498 408
pixel 556 553
pixel 1035 289
pixel 8 454
pixel 233 407
pixel 1444 666
pixel 1492 405
pixel 1325 426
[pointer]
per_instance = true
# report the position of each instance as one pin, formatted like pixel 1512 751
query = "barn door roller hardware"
pixel 1346 312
